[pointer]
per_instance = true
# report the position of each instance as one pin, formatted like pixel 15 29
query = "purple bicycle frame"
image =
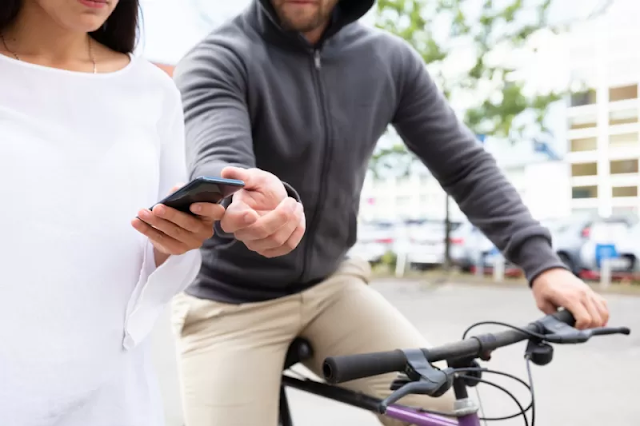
pixel 418 418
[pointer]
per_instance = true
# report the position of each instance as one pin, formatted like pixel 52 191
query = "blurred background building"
pixel 587 166
pixel 603 138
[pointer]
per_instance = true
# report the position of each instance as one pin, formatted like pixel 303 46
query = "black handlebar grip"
pixel 565 316
pixel 339 369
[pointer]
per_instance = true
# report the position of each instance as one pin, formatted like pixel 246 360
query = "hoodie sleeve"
pixel 468 173
pixel 213 83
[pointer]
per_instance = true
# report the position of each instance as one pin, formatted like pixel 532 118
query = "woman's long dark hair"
pixel 119 33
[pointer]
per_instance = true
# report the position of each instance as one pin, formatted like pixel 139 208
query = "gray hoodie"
pixel 256 95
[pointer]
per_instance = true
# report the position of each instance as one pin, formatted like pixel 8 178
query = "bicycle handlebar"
pixel 559 325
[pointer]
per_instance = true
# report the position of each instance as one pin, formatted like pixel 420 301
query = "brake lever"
pixel 421 378
pixel 603 331
pixel 556 331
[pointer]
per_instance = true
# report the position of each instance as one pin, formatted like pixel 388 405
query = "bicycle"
pixel 417 375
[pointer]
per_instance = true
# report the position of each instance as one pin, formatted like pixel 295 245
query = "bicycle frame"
pixel 365 402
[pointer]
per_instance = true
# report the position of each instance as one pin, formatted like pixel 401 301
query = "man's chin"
pixel 300 26
pixel 301 22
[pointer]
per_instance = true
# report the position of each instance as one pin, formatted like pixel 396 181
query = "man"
pixel 301 91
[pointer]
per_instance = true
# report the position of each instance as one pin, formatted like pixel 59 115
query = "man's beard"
pixel 309 24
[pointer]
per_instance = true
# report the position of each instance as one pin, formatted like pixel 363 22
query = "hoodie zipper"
pixel 328 147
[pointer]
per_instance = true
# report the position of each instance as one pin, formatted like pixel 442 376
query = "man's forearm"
pixel 468 173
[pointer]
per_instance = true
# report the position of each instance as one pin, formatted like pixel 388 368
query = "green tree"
pixel 472 48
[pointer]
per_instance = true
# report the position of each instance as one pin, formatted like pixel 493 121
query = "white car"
pixel 374 240
pixel 423 242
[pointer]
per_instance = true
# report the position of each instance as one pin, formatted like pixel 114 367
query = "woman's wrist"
pixel 159 257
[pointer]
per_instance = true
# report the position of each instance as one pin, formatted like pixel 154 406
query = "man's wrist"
pixel 544 273
pixel 537 256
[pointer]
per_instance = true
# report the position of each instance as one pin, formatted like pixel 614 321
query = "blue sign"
pixel 605 251
pixel 481 138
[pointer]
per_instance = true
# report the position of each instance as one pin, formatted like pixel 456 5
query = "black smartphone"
pixel 201 190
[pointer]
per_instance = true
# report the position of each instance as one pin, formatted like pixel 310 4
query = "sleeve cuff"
pixel 536 256
pixel 156 287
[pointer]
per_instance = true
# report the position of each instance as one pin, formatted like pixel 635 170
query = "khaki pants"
pixel 231 356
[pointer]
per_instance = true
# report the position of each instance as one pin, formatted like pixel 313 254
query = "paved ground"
pixel 594 384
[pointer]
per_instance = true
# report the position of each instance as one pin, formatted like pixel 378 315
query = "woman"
pixel 89 137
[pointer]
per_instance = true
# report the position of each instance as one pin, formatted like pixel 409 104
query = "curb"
pixel 436 280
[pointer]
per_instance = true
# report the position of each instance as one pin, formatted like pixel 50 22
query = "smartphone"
pixel 201 190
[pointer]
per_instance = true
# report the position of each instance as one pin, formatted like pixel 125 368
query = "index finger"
pixel 580 313
pixel 183 220
pixel 269 223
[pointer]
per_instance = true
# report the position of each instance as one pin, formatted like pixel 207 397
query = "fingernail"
pixel 144 214
pixel 196 208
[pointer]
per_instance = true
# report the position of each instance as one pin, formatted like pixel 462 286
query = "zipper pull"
pixel 316 58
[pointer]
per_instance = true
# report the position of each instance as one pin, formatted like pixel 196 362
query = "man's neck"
pixel 314 36
pixel 34 34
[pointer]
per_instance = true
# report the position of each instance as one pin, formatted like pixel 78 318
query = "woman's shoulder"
pixel 143 69
pixel 154 74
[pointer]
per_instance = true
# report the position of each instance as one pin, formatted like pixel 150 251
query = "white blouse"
pixel 80 154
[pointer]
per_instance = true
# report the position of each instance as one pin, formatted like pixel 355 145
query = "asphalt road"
pixel 587 385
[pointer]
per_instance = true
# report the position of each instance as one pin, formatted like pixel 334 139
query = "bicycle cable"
pixel 522 411
pixel 533 397
pixel 503 324
pixel 481 406
pixel 499 373
pixel 531 406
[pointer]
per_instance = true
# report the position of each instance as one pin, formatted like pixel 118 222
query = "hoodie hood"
pixel 345 12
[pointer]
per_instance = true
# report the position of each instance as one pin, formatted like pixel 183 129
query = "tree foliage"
pixel 472 49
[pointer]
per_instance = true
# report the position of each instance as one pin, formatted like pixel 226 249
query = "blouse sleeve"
pixel 158 285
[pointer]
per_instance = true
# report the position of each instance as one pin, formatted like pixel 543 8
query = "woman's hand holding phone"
pixel 173 232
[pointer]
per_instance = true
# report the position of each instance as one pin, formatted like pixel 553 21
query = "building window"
pixel 583 122
pixel 581 192
pixel 624 191
pixel 623 140
pixel 585 144
pixel 627 116
pixel 583 98
pixel 623 93
pixel 625 211
pixel 584 169
pixel 623 166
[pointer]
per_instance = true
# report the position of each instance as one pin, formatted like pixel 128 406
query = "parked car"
pixel 422 241
pixel 575 240
pixel 629 248
pixel 468 244
pixel 374 239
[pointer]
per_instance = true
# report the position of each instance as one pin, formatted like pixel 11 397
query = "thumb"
pixel 238 216
pixel 238 173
